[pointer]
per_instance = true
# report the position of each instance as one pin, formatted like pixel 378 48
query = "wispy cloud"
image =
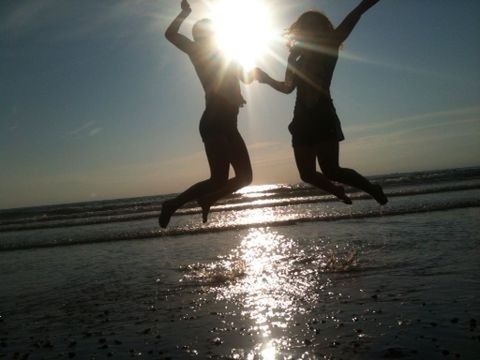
pixel 87 128
pixel 82 128
pixel 95 131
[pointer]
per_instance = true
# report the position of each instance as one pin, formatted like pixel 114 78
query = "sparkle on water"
pixel 271 277
pixel 259 189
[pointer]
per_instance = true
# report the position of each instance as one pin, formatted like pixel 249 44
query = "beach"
pixel 280 271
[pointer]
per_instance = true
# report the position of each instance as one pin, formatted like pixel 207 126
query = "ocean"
pixel 280 271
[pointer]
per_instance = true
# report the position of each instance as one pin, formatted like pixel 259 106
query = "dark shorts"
pixel 218 120
pixel 312 126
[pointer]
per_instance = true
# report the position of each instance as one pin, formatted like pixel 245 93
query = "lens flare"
pixel 243 29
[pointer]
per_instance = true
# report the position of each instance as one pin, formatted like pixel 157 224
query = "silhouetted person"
pixel 315 128
pixel 223 143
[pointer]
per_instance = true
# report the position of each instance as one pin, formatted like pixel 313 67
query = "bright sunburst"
pixel 244 29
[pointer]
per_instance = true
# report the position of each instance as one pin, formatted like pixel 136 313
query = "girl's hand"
pixel 260 75
pixel 186 7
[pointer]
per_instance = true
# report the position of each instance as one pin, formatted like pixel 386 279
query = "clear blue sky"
pixel 96 104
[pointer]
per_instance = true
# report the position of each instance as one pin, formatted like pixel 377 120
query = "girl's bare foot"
pixel 167 211
pixel 378 194
pixel 340 193
pixel 205 206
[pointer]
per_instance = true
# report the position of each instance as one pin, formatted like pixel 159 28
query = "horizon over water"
pixel 253 206
pixel 280 271
pixel 246 189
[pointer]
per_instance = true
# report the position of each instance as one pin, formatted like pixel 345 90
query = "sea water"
pixel 280 271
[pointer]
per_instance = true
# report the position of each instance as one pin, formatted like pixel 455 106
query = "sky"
pixel 96 104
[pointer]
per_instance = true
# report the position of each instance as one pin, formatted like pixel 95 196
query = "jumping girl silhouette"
pixel 223 143
pixel 315 128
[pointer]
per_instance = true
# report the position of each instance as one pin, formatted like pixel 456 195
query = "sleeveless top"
pixel 314 76
pixel 315 118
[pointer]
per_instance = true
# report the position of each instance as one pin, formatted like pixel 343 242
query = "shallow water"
pixel 280 271
pixel 385 287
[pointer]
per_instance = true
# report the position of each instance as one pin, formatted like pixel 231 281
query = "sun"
pixel 243 28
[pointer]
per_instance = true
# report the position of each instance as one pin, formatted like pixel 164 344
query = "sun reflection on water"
pixel 257 216
pixel 268 352
pixel 272 279
pixel 270 289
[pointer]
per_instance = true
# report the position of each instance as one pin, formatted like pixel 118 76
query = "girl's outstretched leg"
pixel 328 154
pixel 305 158
pixel 219 164
pixel 170 206
pixel 377 193
pixel 205 205
pixel 240 160
pixel 342 195
pixel 168 209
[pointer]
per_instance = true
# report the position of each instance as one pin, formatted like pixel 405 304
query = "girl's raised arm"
pixel 347 25
pixel 172 34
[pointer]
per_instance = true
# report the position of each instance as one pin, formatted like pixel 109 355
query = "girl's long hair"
pixel 310 25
